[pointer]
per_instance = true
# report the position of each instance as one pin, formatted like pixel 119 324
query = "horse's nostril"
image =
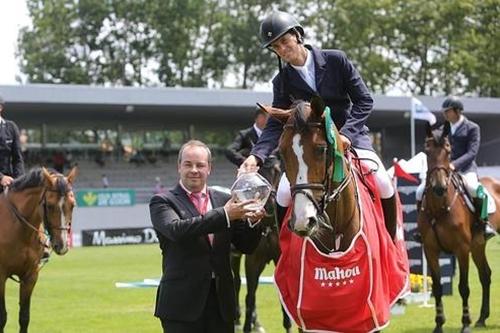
pixel 438 190
pixel 312 222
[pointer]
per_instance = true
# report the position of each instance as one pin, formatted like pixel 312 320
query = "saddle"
pixel 459 183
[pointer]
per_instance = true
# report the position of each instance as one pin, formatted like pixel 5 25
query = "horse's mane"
pixel 35 178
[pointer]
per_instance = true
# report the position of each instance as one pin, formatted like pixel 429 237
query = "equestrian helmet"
pixel 276 25
pixel 452 102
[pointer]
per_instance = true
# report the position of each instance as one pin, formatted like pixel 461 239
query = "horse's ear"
pixel 428 130
pixel 280 114
pixel 317 105
pixel 49 180
pixel 446 130
pixel 72 175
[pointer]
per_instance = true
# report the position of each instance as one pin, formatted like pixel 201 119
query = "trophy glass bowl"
pixel 249 186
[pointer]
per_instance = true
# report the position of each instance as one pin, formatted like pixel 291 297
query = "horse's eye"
pixel 321 150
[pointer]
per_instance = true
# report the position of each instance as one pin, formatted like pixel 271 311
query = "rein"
pixel 334 162
pixel 45 217
pixel 445 209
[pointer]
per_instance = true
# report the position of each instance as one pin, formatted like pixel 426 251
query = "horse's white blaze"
pixel 303 208
pixel 64 233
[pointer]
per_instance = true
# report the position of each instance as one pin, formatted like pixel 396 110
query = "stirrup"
pixel 45 258
pixel 489 232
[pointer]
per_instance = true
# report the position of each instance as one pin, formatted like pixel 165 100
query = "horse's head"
pixel 308 160
pixel 57 207
pixel 438 150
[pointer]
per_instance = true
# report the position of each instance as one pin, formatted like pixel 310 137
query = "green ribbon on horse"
pixel 338 169
pixel 481 194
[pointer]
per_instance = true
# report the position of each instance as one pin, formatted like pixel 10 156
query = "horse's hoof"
pixel 258 329
pixel 466 329
pixel 438 330
pixel 480 323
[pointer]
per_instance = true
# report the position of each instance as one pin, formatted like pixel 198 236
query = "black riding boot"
pixel 484 224
pixel 280 214
pixel 417 237
pixel 389 207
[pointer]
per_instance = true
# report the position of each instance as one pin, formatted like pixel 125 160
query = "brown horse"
pixel 447 224
pixel 314 195
pixel 340 267
pixel 268 250
pixel 35 202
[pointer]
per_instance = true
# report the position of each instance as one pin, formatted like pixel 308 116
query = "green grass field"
pixel 76 293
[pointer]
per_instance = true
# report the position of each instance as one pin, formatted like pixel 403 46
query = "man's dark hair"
pixel 258 112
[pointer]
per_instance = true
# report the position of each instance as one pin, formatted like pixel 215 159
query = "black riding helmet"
pixel 452 102
pixel 276 25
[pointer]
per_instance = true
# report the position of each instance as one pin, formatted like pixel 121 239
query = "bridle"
pixel 450 176
pixel 62 189
pixel 329 193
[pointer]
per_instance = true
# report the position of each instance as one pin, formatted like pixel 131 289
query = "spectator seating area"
pixel 142 176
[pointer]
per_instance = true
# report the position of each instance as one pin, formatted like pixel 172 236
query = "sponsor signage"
pixel 105 197
pixel 106 237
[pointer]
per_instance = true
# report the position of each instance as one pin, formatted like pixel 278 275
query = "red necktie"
pixel 200 201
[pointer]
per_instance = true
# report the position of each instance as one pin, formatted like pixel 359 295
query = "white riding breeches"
pixel 382 179
pixel 471 182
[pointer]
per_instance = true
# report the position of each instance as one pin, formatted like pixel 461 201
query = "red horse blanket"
pixel 348 291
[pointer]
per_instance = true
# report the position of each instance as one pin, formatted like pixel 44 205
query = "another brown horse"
pixel 447 224
pixel 268 250
pixel 36 201
pixel 340 268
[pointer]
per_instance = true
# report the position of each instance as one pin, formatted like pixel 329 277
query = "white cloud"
pixel 13 16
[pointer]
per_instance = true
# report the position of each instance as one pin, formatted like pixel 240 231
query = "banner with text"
pixel 105 197
pixel 106 237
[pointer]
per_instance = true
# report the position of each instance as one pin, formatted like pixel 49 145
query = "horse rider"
pixel 11 157
pixel 465 137
pixel 310 71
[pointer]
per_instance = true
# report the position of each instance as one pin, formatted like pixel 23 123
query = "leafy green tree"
pixel 479 56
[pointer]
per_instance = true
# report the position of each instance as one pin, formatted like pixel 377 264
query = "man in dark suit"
pixel 465 139
pixel 242 145
pixel 308 72
pixel 11 157
pixel 196 227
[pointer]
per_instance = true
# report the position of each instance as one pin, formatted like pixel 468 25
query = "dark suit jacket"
pixel 465 146
pixel 341 87
pixel 11 157
pixel 242 145
pixel 188 257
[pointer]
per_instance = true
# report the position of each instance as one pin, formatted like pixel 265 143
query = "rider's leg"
pixel 481 202
pixel 385 187
pixel 283 199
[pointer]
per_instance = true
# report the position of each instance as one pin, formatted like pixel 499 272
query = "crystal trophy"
pixel 250 186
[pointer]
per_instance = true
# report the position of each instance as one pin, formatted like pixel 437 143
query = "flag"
pixel 400 173
pixel 420 111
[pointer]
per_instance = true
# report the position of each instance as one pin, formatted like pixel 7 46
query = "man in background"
pixel 11 157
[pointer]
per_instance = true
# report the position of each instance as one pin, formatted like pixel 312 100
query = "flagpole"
pixel 412 128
